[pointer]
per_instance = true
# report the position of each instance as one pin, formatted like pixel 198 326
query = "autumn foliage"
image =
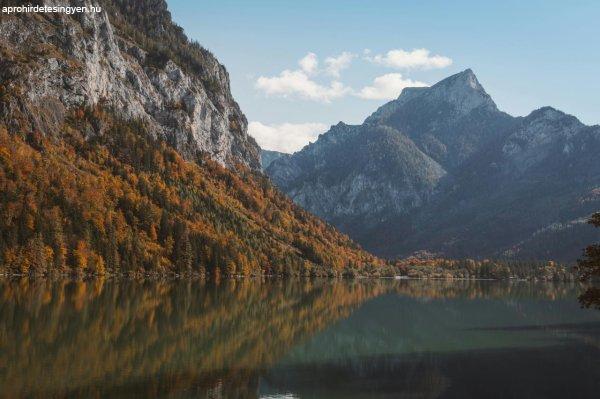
pixel 120 201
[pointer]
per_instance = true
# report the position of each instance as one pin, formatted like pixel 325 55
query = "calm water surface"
pixel 296 339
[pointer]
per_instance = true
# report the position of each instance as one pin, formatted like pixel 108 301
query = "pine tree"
pixel 183 256
pixel 589 268
pixel 57 242
pixel 111 252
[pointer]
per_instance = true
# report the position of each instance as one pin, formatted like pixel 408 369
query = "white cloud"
pixel 415 59
pixel 309 63
pixel 307 82
pixel 300 82
pixel 387 87
pixel 285 137
pixel 336 64
pixel 297 83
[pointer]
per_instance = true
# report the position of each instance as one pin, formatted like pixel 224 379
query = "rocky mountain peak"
pixel 464 78
pixel 551 114
pixel 453 97
pixel 463 91
pixel 445 120
pixel 543 127
pixel 551 123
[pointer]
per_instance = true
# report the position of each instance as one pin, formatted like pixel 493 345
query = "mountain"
pixel 358 174
pixel 138 63
pixel 268 156
pixel 467 180
pixel 122 151
pixel 448 121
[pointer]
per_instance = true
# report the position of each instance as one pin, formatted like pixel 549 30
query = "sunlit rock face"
pixel 122 59
pixel 442 169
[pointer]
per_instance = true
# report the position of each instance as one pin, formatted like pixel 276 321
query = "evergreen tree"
pixel 39 254
pixel 111 252
pixel 589 268
pixel 57 241
pixel 183 256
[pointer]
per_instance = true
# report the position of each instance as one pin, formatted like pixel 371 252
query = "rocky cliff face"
pixel 358 174
pixel 131 59
pixel 466 179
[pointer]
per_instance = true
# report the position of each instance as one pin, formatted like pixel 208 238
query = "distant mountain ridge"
pixel 268 156
pixel 442 169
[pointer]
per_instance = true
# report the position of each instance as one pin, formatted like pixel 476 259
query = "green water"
pixel 296 339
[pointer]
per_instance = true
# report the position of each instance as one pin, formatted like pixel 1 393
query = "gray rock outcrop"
pixel 53 63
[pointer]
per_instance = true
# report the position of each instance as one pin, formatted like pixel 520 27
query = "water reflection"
pixel 321 338
pixel 115 338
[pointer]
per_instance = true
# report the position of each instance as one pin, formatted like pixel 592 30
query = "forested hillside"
pixel 122 151
pixel 125 202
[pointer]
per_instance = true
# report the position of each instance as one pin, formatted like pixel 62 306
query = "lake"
pixel 296 339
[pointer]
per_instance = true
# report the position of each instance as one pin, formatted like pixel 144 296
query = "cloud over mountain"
pixel 299 83
pixel 285 137
pixel 387 87
pixel 415 59
pixel 308 83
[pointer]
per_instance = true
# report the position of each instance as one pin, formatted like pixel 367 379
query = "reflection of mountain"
pixel 110 339
pixel 457 340
pixel 557 372
pixel 241 339
pixel 414 318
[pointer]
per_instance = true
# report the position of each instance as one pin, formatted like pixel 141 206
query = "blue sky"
pixel 526 54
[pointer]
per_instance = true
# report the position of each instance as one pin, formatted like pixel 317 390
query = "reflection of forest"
pixel 473 289
pixel 84 338
pixel 184 338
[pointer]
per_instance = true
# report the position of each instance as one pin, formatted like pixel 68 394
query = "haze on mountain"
pixel 268 156
pixel 442 169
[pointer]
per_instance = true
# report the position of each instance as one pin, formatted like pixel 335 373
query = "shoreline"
pixel 198 277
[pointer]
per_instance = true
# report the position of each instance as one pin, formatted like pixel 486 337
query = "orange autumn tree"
pixel 125 202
